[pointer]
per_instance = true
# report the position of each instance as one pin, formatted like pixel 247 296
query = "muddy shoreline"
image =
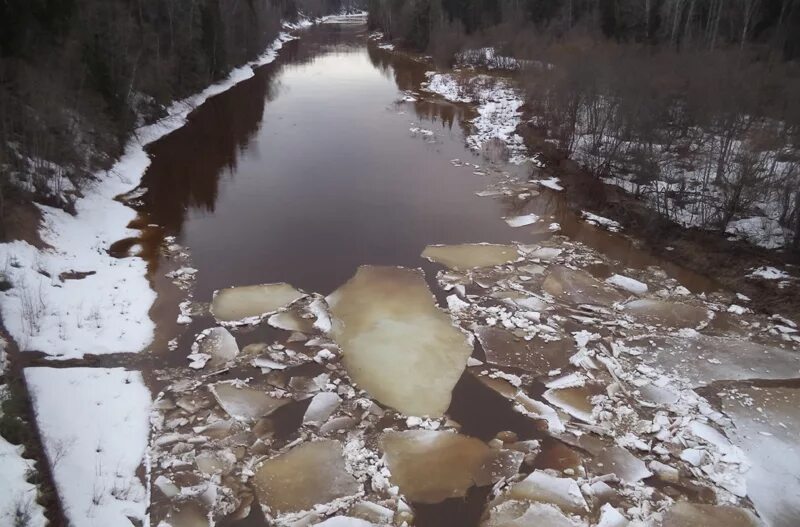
pixel 726 262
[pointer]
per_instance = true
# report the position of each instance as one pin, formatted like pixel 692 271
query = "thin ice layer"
pixel 307 475
pixel 471 255
pixel 536 356
pixel 665 313
pixel 703 359
pixel 542 487
pixel 579 287
pixel 766 426
pixel 239 303
pixel 523 514
pixel 430 466
pixel 94 426
pixel 396 343
pixel 684 514
pixel 245 403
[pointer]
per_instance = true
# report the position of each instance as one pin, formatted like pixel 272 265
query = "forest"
pixel 692 105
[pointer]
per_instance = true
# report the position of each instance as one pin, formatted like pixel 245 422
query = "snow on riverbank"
pixel 498 106
pixel 106 309
pixel 94 427
pixel 17 496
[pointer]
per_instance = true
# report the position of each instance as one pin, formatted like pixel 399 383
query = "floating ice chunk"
pixel 579 287
pixel 536 356
pixel 543 253
pixel 628 284
pixel 94 426
pixel 471 255
pixel 186 514
pixel 245 403
pixel 619 461
pixel 366 510
pixel 693 456
pixel 683 514
pixel 430 466
pixel 215 346
pixel 665 472
pixel 523 514
pixel 541 410
pixel 574 401
pixel 396 343
pixel 672 314
pixel 521 221
pixel 542 487
pixel 321 407
pixel 769 273
pixel 552 183
pixel 600 221
pixel 345 521
pixel 611 517
pixel 290 321
pixel 307 475
pixel 243 304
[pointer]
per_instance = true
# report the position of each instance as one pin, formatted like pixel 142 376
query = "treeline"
pixel 77 76
pixel 691 105
pixel 708 24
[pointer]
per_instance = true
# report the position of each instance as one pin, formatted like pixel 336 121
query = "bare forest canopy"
pixel 692 105
pixel 77 76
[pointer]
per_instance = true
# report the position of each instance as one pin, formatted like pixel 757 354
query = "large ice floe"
pixel 397 345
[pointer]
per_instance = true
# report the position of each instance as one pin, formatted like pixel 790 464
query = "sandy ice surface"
pixel 94 426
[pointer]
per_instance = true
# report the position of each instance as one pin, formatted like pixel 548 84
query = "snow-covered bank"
pixel 498 105
pixel 94 428
pixel 73 298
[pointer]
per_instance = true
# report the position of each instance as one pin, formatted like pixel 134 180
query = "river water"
pixel 311 169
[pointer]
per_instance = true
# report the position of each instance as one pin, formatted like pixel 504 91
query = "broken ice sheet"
pixel 471 255
pixel 215 346
pixel 665 313
pixel 619 461
pixel 94 426
pixel 321 408
pixel 431 466
pixel 703 359
pixel 683 514
pixel 536 355
pixel 574 401
pixel 244 403
pixel 253 301
pixel 307 475
pixel 514 513
pixel 396 344
pixel 766 426
pixel 542 487
pixel 579 287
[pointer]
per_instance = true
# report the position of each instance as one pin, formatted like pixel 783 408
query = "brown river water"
pixel 309 170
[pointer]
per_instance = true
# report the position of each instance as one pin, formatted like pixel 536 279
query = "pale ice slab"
pixel 542 487
pixel 600 221
pixel 769 273
pixel 521 221
pixel 611 517
pixel 579 287
pixel 94 424
pixel 16 494
pixel 628 284
pixel 683 514
pixel 703 359
pixel 619 461
pixel 344 521
pixel 471 255
pixel 396 344
pixel 523 514
pixel 431 466
pixel 245 403
pixel 236 304
pixel 574 401
pixel 307 475
pixel 322 406
pixel 766 426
